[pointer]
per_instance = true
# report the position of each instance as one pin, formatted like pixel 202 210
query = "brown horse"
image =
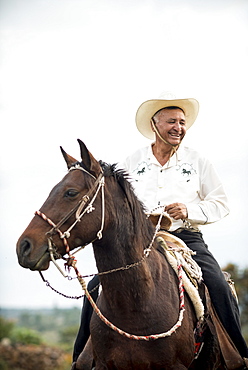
pixel 140 293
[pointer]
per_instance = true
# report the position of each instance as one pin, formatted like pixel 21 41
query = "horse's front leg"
pixel 85 360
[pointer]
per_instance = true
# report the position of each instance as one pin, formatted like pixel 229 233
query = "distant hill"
pixel 43 320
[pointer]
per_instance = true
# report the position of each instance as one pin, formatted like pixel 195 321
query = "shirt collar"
pixel 173 160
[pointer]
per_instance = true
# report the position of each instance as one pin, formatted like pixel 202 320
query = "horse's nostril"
pixel 25 247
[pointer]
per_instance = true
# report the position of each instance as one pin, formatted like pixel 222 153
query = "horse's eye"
pixel 71 193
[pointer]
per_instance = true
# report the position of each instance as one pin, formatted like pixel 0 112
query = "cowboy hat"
pixel 147 110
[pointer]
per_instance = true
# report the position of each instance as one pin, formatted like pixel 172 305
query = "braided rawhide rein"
pixel 132 336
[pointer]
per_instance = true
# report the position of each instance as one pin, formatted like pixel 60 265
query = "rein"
pixel 141 337
pixel 80 210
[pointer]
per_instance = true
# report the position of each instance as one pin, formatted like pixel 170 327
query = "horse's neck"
pixel 114 252
pixel 124 277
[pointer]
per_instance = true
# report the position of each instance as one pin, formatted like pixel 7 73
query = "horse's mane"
pixel 136 206
pixel 122 178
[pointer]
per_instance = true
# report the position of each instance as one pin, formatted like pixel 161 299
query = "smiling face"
pixel 171 125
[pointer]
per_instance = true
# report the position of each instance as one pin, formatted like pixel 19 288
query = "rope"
pixel 51 223
pixel 89 209
pixel 140 337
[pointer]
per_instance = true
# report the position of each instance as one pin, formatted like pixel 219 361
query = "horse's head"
pixel 77 197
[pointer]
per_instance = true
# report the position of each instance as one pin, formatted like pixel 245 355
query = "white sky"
pixel 79 69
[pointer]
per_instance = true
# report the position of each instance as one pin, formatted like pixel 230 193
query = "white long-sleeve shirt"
pixel 187 178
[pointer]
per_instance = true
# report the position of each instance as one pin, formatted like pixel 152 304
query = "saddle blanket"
pixel 177 252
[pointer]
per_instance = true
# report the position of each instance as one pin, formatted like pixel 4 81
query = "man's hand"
pixel 178 211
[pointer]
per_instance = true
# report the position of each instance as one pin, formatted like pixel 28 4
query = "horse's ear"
pixel 69 160
pixel 88 160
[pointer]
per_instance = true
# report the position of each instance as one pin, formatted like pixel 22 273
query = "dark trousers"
pixel 87 310
pixel 222 298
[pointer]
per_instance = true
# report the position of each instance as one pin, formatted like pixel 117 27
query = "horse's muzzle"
pixel 28 258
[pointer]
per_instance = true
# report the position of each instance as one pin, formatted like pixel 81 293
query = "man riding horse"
pixel 168 176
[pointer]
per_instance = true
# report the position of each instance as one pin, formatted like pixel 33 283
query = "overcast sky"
pixel 79 69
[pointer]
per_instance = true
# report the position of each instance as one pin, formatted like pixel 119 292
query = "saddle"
pixel 170 245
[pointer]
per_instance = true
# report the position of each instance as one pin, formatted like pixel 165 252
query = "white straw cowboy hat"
pixel 147 110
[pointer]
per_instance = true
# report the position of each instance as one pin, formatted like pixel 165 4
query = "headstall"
pixel 84 206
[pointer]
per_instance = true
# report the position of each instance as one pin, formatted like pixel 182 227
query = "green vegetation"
pixel 6 327
pixel 25 336
pixel 18 335
pixel 55 327
pixel 37 339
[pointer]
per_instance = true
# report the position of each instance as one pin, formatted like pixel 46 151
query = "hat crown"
pixel 147 110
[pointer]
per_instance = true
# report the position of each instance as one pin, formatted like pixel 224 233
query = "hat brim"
pixel 147 110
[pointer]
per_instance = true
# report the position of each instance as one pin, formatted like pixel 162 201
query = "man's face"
pixel 171 125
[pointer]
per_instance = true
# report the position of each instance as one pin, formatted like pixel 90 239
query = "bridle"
pixel 84 206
